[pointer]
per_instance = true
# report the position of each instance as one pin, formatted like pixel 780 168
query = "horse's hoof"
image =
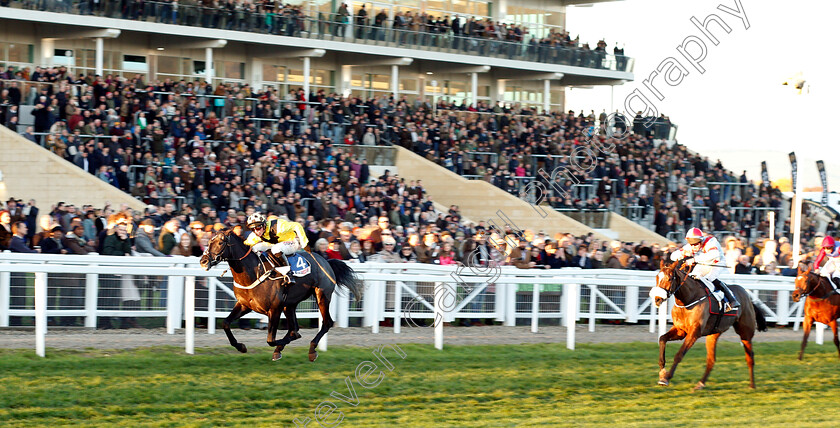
pixel 297 335
pixel 241 348
pixel 276 356
pixel 700 385
pixel 663 382
pixel 313 356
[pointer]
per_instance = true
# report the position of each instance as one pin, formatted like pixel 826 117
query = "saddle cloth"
pixel 300 266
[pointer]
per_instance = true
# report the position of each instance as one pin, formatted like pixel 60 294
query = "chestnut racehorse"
pixel 822 304
pixel 693 318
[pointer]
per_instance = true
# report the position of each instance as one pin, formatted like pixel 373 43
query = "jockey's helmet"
pixel 256 220
pixel 828 243
pixel 694 236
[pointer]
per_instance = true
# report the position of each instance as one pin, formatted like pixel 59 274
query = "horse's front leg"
pixel 690 339
pixel 672 334
pixel 238 312
pixel 806 331
pixel 833 325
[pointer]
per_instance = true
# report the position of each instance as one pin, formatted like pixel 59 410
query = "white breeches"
pixel 286 247
pixel 831 268
pixel 707 274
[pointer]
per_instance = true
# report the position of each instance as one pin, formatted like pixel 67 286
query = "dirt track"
pixel 136 338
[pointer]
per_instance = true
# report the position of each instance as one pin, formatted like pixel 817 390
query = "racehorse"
pixel 693 318
pixel 272 297
pixel 822 304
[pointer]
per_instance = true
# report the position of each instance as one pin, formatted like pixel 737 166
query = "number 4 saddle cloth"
pixel 300 266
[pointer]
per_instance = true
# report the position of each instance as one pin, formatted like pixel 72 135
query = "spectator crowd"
pixel 229 147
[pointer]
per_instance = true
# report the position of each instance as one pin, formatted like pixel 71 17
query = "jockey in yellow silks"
pixel 278 237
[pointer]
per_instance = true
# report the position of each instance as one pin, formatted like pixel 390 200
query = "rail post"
pixel 571 292
pixel 40 313
pixel 91 299
pixel 189 313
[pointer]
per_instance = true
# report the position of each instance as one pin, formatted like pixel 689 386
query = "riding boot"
pixel 730 301
pixel 279 260
pixel 290 278
pixel 713 290
pixel 835 282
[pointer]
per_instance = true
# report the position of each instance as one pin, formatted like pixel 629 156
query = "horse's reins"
pixel 674 292
pixel 322 268
pixel 240 259
pixel 816 287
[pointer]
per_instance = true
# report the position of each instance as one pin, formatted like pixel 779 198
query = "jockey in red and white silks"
pixel 831 270
pixel 706 254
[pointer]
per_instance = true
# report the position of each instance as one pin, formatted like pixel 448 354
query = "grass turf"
pixel 471 386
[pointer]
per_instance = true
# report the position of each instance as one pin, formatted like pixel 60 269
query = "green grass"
pixel 477 386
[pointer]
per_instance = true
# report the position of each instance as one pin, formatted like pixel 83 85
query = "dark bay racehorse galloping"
pixel 693 319
pixel 271 297
pixel 822 304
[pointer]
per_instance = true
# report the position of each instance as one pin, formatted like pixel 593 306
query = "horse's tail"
pixel 346 277
pixel 759 316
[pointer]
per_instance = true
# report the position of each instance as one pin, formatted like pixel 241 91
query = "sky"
pixel 737 110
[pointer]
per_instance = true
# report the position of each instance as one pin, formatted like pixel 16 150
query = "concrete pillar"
pixel 421 91
pixel 499 11
pixel 100 55
pixel 208 65
pixel 346 76
pixel 546 95
pixel 500 90
pixel 255 73
pixel 47 52
pixel 474 89
pixel 395 82
pixel 307 64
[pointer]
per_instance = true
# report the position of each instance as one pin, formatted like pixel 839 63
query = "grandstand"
pixel 336 115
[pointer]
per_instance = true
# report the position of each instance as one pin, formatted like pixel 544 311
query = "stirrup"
pixel 729 308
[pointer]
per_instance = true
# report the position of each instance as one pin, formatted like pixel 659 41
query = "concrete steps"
pixel 480 200
pixel 33 172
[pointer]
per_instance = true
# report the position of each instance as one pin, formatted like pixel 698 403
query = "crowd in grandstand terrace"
pixel 482 36
pixel 444 239
pixel 229 146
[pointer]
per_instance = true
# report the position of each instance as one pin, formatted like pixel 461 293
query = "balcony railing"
pixel 330 27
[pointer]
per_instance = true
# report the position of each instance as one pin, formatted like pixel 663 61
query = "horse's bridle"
pixel 219 258
pixel 674 277
pixel 213 261
pixel 816 287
